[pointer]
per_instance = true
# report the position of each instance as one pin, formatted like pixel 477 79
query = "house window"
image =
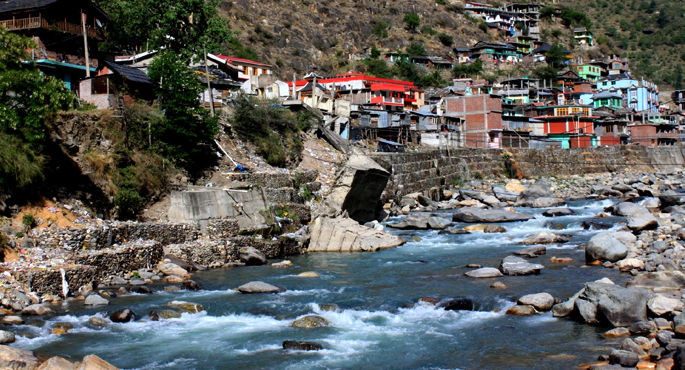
pixel 562 111
pixel 609 129
pixel 245 70
pixel 98 85
pixel 255 71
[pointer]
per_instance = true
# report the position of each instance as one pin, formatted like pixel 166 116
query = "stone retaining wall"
pixel 219 252
pixel 423 171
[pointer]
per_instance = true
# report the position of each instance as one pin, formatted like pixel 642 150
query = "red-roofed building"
pixel 248 67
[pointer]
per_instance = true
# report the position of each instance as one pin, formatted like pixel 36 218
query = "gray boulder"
pixel 546 202
pixel 95 300
pixel 17 359
pixel 628 208
pixel 421 221
pixel 37 310
pixel 310 322
pixel 605 247
pixel 671 199
pixel 532 192
pixel 478 215
pixel 343 234
pixel 250 256
pixel 6 337
pixel 566 307
pixel 608 303
pixel 505 196
pixel 623 358
pixel 544 237
pixel 663 280
pixel 259 287
pixel 558 212
pixel 531 252
pixel 513 265
pixel 123 315
pixel 302 345
pixel 484 272
pixel 541 301
pixel 642 221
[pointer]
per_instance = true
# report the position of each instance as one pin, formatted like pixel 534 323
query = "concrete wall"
pixel 248 207
pixel 420 172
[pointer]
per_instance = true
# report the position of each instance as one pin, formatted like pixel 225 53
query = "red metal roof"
pixel 356 77
pixel 240 60
pixel 387 87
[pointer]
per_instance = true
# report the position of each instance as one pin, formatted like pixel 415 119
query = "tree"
pixel 378 68
pixel 546 74
pixel 27 99
pixel 380 28
pixel 416 49
pixel 412 21
pixel 468 70
pixel 556 56
pixel 446 39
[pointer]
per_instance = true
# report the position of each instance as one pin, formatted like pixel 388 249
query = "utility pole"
pixel 85 43
pixel 209 87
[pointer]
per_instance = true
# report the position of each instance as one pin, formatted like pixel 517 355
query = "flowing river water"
pixel 378 324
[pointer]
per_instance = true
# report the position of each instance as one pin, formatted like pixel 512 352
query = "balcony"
pixel 40 22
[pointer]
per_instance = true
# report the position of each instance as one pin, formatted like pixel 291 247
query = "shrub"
pixel 412 21
pixel 416 48
pixel 380 28
pixel 446 39
pixel 428 30
pixel 29 221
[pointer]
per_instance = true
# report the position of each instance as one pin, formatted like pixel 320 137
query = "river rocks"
pixel 623 358
pixel 628 208
pixel 544 237
pixel 498 285
pixel 282 264
pixel 541 301
pixel 631 264
pixel 97 321
pixel 532 192
pixel 191 285
pixel 92 362
pixel 346 235
pixel 56 363
pixel 531 252
pixel 6 337
pixel 37 310
pixel 485 272
pixel 302 345
pixel 457 304
pixel 566 307
pixel 617 333
pixel 17 359
pixel 421 221
pixel 513 265
pixel 172 314
pixel 642 221
pixel 310 322
pixel 491 229
pixel 671 280
pixel 310 274
pixel 172 269
pixel 122 316
pixel 12 320
pixel 185 306
pixel 477 215
pixel 250 256
pixel 142 289
pixel 660 305
pixel 259 287
pixel 61 328
pixel 558 212
pixel 605 246
pixel 453 231
pixel 95 300
pixel 521 310
pixel 608 303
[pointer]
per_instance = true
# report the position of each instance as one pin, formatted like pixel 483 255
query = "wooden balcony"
pixel 57 26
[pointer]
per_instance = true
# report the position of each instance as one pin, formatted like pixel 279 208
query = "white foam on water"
pixel 257 350
pixel 176 363
pixel 306 292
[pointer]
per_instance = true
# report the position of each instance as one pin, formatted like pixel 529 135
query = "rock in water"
pixel 191 285
pixel 485 272
pixel 521 310
pixel 541 301
pixel 478 215
pixel 17 359
pixel 124 315
pixel 301 345
pixel 37 309
pixel 346 235
pixel 544 237
pixel 535 251
pixel 310 322
pixel 605 246
pixel 141 290
pixel 459 304
pixel 252 257
pixel 6 337
pixel 95 300
pixel 558 212
pixel 184 306
pixel 57 363
pixel 259 287
pixel 623 358
pixel 513 265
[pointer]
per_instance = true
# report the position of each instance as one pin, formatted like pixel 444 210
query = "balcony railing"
pixel 40 22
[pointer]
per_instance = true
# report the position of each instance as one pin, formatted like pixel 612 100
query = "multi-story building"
pixel 638 94
pixel 678 97
pixel 572 125
pixel 589 72
pixel 583 36
pixel 482 117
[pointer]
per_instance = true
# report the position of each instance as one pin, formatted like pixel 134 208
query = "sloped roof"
pixel 9 6
pixel 129 73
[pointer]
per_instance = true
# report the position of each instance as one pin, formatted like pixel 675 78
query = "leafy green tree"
pixel 27 99
pixel 416 49
pixel 556 56
pixel 446 39
pixel 188 127
pixel 412 21
pixel 380 28
pixel 378 68
pixel 468 70
pixel 375 53
pixel 547 12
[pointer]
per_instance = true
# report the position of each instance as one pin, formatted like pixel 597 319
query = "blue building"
pixel 638 94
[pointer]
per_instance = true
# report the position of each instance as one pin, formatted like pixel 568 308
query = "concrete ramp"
pixel 248 207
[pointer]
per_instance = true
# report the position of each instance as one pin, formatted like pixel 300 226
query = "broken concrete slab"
pixel 343 234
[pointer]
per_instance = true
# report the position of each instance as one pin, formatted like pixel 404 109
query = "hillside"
pixel 650 33
pixel 293 35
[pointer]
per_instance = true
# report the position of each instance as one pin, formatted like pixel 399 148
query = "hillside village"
pixel 590 102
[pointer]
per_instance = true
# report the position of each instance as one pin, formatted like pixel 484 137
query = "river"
pixel 379 324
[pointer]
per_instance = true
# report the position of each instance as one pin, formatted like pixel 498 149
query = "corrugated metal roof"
pixel 9 6
pixel 131 74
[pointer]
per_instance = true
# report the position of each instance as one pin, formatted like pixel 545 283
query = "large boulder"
pixel 57 363
pixel 605 303
pixel 505 195
pixel 605 246
pixel 184 306
pixel 92 362
pixel 478 215
pixel 660 305
pixel 123 315
pixel 357 190
pixel 252 257
pixel 17 359
pixel 343 234
pixel 37 310
pixel 538 196
pixel 642 221
pixel 513 265
pixel 259 287
pixel 558 212
pixel 310 322
pixel 547 202
pixel 6 337
pixel 95 300
pixel 628 208
pixel 623 358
